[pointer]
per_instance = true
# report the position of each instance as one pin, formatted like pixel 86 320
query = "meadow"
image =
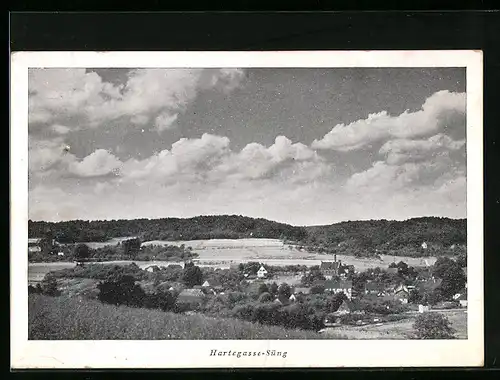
pixel 66 318
pixel 276 252
pixel 224 252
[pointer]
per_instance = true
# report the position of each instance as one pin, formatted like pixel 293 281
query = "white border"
pixel 192 354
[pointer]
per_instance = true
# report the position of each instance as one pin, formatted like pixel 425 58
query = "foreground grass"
pixel 64 318
pixel 401 329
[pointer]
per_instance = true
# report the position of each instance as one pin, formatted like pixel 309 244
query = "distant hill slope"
pixel 197 228
pixel 440 235
pixel 364 238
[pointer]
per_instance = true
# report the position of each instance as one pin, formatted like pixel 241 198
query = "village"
pixel 353 298
pixel 320 295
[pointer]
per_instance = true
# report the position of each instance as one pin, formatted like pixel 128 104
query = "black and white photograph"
pixel 306 204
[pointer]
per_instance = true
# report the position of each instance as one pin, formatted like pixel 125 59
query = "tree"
pixel 431 297
pixel 273 289
pixel 461 259
pixel 442 265
pixel 312 277
pixel 265 297
pixel 161 299
pixel 284 290
pixel 453 282
pixel 82 252
pixel 48 286
pixel 317 289
pixel 433 326
pixel 402 268
pixel 46 243
pixel 452 275
pixel 263 289
pixel 336 301
pixel 415 297
pixel 192 275
pixel 121 289
pixel 131 247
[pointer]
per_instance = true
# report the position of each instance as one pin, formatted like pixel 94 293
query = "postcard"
pixel 246 209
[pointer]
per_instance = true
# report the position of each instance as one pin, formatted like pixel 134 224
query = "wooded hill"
pixel 354 237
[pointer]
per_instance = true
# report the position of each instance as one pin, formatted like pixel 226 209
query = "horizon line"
pixel 245 216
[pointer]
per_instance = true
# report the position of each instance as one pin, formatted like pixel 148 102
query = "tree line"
pixel 360 238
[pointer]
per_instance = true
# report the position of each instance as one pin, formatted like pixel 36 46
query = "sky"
pixel 301 146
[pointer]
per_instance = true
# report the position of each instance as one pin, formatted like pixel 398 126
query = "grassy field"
pixel 400 329
pixel 223 252
pixel 275 252
pixel 63 318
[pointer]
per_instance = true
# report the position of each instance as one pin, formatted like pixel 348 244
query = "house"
pixel 152 268
pixel 339 287
pixel 423 308
pixel 34 245
pixel 292 298
pixel 463 299
pixel 212 284
pixel 262 272
pixel 192 298
pixel 344 308
pixel 400 287
pixel 250 277
pixel 401 294
pixel 164 286
pixel 424 245
pixel 376 288
pixel 346 269
pixel 302 291
pixel 60 253
pixel 425 275
pixel 330 268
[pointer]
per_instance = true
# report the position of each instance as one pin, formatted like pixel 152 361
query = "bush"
pixel 265 297
pixel 317 289
pixel 48 286
pixel 270 313
pixel 192 276
pixel 131 247
pixel 433 326
pixel 82 252
pixel 121 290
pixel 162 300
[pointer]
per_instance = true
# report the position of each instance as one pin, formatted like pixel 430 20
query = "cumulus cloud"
pixel 165 121
pixel 256 161
pixel 209 159
pixel 188 159
pixel 438 110
pixel 403 150
pixel 99 163
pixel 148 93
pixel 55 92
pixel 409 166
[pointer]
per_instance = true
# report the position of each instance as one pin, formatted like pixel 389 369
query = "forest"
pixel 361 238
